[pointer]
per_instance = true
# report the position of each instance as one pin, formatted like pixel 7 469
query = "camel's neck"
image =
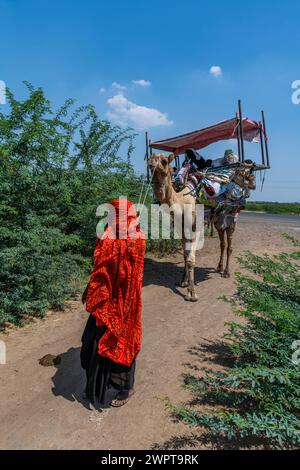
pixel 165 192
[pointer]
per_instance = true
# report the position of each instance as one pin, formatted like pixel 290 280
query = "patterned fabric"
pixel 114 291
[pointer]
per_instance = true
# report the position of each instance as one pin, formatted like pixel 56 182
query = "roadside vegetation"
pixel 292 208
pixel 256 399
pixel 56 167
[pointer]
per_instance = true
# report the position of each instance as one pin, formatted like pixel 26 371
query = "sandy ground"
pixel 43 408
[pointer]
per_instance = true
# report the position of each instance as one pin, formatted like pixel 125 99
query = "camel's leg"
pixel 212 222
pixel 185 277
pixel 222 246
pixel 229 232
pixel 191 258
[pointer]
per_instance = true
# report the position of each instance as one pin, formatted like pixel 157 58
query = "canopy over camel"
pixel 236 128
pixel 202 138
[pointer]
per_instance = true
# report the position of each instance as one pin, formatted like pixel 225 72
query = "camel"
pixel 229 234
pixel 245 178
pixel 165 193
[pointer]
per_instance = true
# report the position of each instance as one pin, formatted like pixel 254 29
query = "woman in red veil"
pixel 112 337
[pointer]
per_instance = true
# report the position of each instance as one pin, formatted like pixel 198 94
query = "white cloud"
pixel 126 113
pixel 143 83
pixel 216 71
pixel 102 90
pixel 118 86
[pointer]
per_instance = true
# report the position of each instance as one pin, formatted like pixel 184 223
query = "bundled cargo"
pixel 227 185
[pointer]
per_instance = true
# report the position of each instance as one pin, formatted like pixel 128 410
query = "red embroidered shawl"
pixel 114 292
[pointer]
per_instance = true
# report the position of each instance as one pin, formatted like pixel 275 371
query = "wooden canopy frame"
pixel 240 128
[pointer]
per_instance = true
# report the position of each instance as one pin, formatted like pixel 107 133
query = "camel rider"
pixel 193 162
pixel 196 160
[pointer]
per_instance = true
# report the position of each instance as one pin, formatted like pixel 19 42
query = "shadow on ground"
pixel 69 378
pixel 169 274
pixel 209 441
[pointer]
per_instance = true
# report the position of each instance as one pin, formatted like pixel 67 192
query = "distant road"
pixel 285 218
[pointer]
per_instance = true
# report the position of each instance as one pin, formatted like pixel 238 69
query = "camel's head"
pixel 161 170
pixel 245 177
pixel 251 183
pixel 159 165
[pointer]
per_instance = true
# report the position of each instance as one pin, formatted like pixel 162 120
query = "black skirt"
pixel 105 380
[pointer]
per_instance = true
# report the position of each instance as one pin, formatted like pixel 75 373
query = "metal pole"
pixel 266 138
pixel 241 132
pixel 147 156
pixel 262 143
pixel 238 136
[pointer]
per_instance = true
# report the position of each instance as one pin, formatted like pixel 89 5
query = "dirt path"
pixel 42 408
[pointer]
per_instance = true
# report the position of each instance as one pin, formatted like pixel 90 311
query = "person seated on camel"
pixel 228 159
pixel 196 160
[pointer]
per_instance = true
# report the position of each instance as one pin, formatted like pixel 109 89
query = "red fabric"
pixel 114 292
pixel 202 138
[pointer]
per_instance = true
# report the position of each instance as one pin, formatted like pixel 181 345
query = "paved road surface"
pixel 282 218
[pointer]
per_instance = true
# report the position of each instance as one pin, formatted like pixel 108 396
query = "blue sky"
pixel 94 51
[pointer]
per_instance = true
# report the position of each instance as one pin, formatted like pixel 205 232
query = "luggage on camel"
pixel 226 185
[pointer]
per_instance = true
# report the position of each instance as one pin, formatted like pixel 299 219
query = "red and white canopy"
pixel 224 130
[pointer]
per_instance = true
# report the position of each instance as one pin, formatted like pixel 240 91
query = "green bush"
pixel 259 396
pixel 292 208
